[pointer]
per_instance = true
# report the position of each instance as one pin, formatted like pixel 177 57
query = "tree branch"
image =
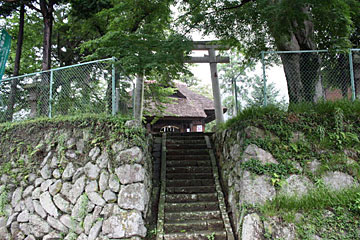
pixel 29 5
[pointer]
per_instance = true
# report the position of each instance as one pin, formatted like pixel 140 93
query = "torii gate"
pixel 213 60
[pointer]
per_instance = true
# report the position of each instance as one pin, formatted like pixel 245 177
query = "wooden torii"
pixel 213 60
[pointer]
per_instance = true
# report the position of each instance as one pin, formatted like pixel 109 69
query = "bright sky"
pixel 202 71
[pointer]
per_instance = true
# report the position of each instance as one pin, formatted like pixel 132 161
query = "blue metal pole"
pixel 264 77
pixel 113 91
pixel 352 78
pixel 50 93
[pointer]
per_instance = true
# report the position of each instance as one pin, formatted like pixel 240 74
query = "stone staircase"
pixel 191 204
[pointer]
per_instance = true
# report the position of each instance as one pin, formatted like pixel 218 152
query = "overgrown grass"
pixel 318 198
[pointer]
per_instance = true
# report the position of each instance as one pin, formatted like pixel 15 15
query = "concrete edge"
pixel 220 194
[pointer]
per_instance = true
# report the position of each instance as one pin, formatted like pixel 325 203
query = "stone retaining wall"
pixel 245 187
pixel 78 190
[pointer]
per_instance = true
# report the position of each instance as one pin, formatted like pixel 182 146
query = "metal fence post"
pixel 236 98
pixel 51 92
pixel 264 76
pixel 352 78
pixel 113 90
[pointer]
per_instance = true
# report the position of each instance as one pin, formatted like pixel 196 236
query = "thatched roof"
pixel 187 104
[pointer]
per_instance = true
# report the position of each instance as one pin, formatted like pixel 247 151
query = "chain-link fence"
pixel 302 76
pixel 92 87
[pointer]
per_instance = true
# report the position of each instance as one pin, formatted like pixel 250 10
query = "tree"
pixel 140 37
pixel 280 25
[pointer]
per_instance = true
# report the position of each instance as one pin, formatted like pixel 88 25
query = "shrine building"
pixel 188 112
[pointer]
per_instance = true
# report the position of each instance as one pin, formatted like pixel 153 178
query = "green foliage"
pixel 3 200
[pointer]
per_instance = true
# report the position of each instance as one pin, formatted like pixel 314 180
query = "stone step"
pixel 185 146
pixel 189 176
pixel 188 163
pixel 191 169
pixel 187 152
pixel 194 206
pixel 200 235
pixel 189 182
pixel 195 197
pixel 193 215
pixel 179 141
pixel 191 189
pixel 194 225
pixel 188 157
pixel 185 138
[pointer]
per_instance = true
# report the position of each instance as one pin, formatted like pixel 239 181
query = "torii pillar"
pixel 213 60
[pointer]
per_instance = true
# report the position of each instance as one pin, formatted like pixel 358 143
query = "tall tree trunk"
pixel 15 82
pixel 139 97
pixel 301 69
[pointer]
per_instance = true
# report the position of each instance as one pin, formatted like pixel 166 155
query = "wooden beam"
pixel 206 59
pixel 206 45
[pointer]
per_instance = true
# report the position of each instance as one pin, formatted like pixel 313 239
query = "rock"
pixel 46 160
pixel 94 153
pixel 30 237
pixel 3 221
pixel 79 172
pixel 279 229
pixel 25 228
pixel 38 226
pixel 54 162
pixel 338 180
pixel 56 174
pixel 133 124
pixel 81 208
pixel 39 209
pixel 92 171
pixel 62 204
pixel 48 204
pixel 20 206
pixel 80 145
pixel 56 224
pixel 109 196
pixel 28 191
pixel 103 160
pixel 235 151
pixel 103 181
pixel 95 230
pixel 111 209
pixel 71 236
pixel 314 165
pixel 254 152
pixel 46 184
pixel 5 235
pixel 29 204
pixel 133 196
pixel 130 173
pixel 16 196
pixel 95 198
pixel 23 216
pixel 11 219
pixel 46 172
pixel 77 189
pixel 92 186
pixel 255 189
pixel 252 227
pixel 66 188
pixel 125 224
pixel 131 156
pixel 297 136
pixel 88 222
pixel 31 178
pixel 53 236
pixel 296 185
pixel 36 193
pixel 70 154
pixel 70 142
pixel 68 172
pixel 38 182
pixel 114 184
pixel 55 188
pixel 82 237
pixel 71 224
pixel 118 146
